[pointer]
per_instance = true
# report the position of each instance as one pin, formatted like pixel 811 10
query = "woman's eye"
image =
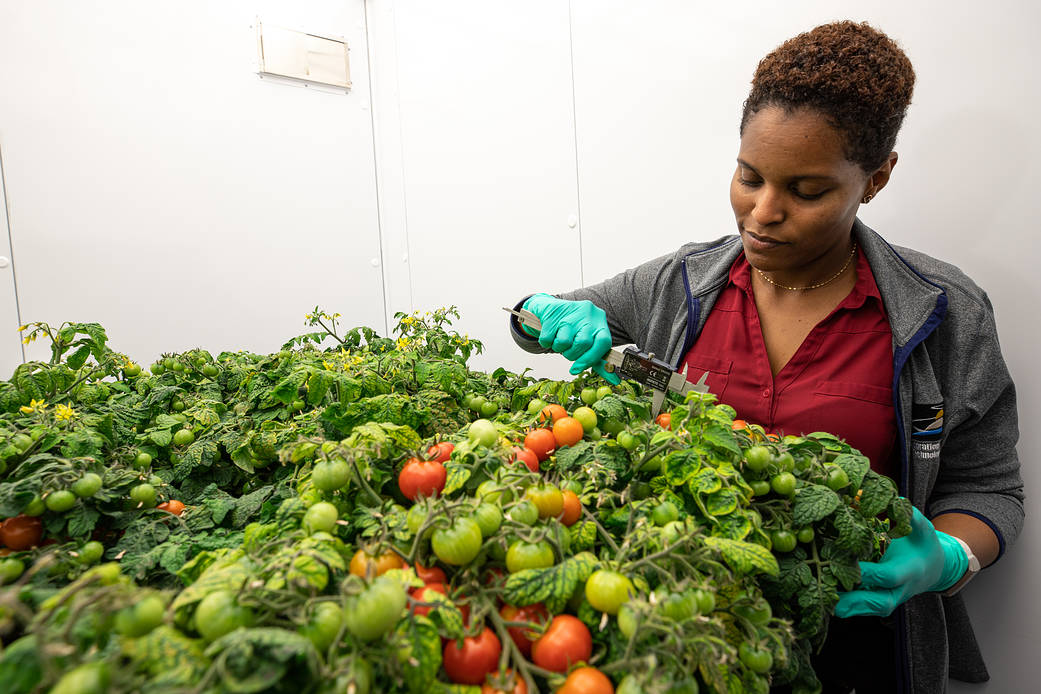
pixel 808 196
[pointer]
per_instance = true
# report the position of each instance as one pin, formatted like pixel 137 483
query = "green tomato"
pixel 209 370
pixel 679 606
pixel 324 625
pixel 90 552
pixel 142 460
pixel 141 617
pixel 626 620
pixel 805 535
pixel 613 427
pixel 143 494
pixel 157 368
pixel 21 442
pixel 459 543
pixel 706 600
pixel 321 517
pixel 687 685
pixel 484 433
pixel 493 492
pixel 760 487
pixel 588 396
pixel 664 513
pixel 177 405
pixel 87 486
pixel 535 406
pixel 783 483
pixel 757 458
pixel 587 417
pixel 608 590
pixel 489 408
pixel 783 540
pixel 528 555
pixel 785 462
pixel 183 437
pixel 627 441
pixel 373 612
pixel 89 678
pixel 178 367
pixel 672 531
pixel 476 403
pixel 488 517
pixel 603 391
pixel 10 570
pixel 330 475
pixel 219 613
pixel 758 660
pixel 60 501
pixel 415 518
pixel 838 479
pixel 524 512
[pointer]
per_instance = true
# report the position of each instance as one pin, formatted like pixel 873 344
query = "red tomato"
pixel 739 424
pixel 541 442
pixel 521 636
pixel 500 684
pixel 526 456
pixel 426 477
pixel 432 574
pixel 572 508
pixel 586 680
pixel 423 595
pixel 567 431
pixel 566 641
pixel 664 420
pixel 21 532
pixel 441 452
pixel 471 663
pixel 173 506
pixel 552 413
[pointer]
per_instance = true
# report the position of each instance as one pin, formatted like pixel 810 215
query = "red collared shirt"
pixel 840 380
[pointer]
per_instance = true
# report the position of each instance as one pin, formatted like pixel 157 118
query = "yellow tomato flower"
pixel 64 413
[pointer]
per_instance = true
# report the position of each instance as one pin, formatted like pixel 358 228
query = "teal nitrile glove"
pixel 576 329
pixel 924 561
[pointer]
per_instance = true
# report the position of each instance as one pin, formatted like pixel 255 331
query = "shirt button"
pixel 766 392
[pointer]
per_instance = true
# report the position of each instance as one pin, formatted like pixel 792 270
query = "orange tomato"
pixel 552 413
pixel 664 420
pixel 173 506
pixel 567 431
pixel 542 442
pixel 572 508
pixel 586 680
pixel 739 425
pixel 500 684
pixel 366 565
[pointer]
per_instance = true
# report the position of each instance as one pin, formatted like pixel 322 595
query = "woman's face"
pixel 795 194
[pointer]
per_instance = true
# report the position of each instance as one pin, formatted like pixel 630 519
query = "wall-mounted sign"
pixel 304 57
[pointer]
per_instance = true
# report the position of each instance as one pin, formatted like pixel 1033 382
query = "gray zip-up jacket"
pixel 954 400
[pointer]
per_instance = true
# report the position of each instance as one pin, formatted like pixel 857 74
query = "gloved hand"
pixel 926 560
pixel 576 329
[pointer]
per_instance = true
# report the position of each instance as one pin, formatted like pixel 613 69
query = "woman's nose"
pixel 767 206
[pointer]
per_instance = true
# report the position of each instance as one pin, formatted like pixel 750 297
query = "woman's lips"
pixel 761 243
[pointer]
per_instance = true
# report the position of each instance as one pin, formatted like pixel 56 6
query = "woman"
pixel 808 320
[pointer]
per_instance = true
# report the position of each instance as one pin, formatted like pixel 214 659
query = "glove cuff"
pixel 955 562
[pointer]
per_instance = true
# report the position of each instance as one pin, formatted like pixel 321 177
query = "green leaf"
pixel 161 437
pixel 744 557
pixel 680 466
pixel 82 519
pixel 721 438
pixel 855 465
pixel 846 572
pixel 735 526
pixel 900 512
pixel 795 576
pixel 610 407
pixel 78 358
pixel 259 659
pixel 877 492
pixel 854 536
pixel 813 503
pixel 583 536
pixel 721 503
pixel 574 457
pixel 551 586
pixel 706 482
pixel 167 653
pixel 420 656
pixel 458 474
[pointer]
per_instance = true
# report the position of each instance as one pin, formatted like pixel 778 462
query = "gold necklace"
pixel 819 284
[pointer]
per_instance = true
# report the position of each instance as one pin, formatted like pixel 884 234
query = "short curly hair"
pixel 852 74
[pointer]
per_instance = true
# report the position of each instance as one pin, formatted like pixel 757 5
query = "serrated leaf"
pixel 161 437
pixel 744 557
pixel 79 357
pixel 846 572
pixel 552 586
pixel 705 481
pixel 735 526
pixel 813 503
pixel 420 656
pixel 82 519
pixel 795 576
pixel 680 466
pixel 900 512
pixel 610 407
pixel 854 536
pixel 722 439
pixel 574 457
pixel 877 492
pixel 583 535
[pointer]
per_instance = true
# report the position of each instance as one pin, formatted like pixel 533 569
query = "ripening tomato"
pixel 547 498
pixel 664 420
pixel 552 413
pixel 430 574
pixel 470 662
pixel 524 637
pixel 441 452
pixel 541 442
pixel 586 680
pixel 566 641
pixel 607 590
pixel 426 477
pixel 572 508
pixel 739 425
pixel 173 506
pixel 427 594
pixel 507 683
pixel 526 456
pixel 459 543
pixel 567 431
pixel 21 532
pixel 366 565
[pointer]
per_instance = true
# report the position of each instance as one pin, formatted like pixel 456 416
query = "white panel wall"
pixel 10 339
pixel 159 186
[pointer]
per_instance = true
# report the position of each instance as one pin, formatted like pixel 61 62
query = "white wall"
pixel 519 147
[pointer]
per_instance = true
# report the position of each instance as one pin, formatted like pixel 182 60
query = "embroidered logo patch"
pixel 926 430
